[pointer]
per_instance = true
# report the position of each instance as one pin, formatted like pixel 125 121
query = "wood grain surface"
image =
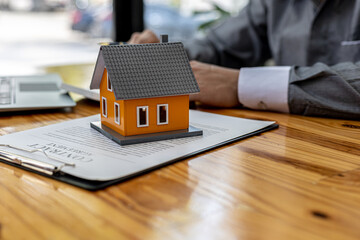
pixel 301 181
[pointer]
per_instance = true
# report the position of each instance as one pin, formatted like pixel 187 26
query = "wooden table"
pixel 301 181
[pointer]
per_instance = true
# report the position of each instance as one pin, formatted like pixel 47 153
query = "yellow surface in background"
pixel 78 75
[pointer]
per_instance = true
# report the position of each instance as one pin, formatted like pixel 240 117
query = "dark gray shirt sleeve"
pixel 295 33
pixel 327 91
pixel 240 41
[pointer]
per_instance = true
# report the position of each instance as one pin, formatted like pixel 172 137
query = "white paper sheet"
pixel 99 158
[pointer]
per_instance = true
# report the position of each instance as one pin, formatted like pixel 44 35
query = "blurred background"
pixel 38 36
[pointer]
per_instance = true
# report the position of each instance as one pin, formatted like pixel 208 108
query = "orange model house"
pixel 144 92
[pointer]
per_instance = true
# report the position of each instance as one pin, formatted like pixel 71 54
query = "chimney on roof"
pixel 164 38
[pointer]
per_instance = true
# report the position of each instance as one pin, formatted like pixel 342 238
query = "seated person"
pixel 315 45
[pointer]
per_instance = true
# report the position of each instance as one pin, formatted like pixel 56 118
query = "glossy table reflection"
pixel 301 181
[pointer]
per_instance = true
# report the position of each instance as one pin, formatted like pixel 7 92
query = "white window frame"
pixel 102 107
pixel 107 82
pixel 138 117
pixel 158 114
pixel 118 120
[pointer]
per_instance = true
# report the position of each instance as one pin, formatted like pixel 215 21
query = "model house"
pixel 144 88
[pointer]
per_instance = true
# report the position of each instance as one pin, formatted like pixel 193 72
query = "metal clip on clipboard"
pixel 36 165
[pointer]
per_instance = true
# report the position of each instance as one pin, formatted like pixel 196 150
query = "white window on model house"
pixel 142 116
pixel 109 87
pixel 117 113
pixel 104 106
pixel 162 114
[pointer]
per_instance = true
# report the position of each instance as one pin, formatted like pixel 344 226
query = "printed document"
pixel 98 158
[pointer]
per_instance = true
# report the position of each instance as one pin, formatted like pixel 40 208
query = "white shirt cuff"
pixel 264 88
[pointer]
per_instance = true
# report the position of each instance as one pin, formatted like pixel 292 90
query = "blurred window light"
pixel 38 33
pixel 82 4
pixel 184 19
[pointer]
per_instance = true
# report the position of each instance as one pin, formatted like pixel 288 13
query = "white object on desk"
pixel 93 94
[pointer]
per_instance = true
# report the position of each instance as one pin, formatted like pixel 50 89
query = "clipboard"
pixel 55 172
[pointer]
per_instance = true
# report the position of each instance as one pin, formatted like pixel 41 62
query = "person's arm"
pixel 240 41
pixel 327 91
pixel 318 90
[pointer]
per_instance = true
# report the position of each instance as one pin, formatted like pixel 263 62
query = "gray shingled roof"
pixel 147 70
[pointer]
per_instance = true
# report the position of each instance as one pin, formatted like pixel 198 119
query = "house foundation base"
pixel 142 138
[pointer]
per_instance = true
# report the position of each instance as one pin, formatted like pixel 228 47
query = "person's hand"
pixel 146 36
pixel 218 85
